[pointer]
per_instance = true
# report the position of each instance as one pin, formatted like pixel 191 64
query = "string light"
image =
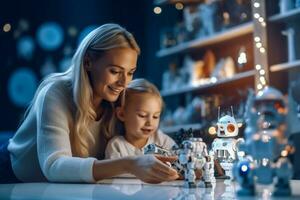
pixel 179 6
pixel 258 67
pixel 212 130
pixel 6 27
pixel 157 10
pixel 256 5
pixel 262 50
pixel 259 43
pixel 257 39
pixel 256 15
pixel 262 72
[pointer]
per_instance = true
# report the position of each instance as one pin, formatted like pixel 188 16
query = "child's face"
pixel 140 115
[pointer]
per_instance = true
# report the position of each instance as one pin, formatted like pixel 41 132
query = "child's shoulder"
pixel 163 139
pixel 116 140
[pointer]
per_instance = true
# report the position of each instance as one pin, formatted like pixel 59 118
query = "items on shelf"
pixel 295 85
pixel 242 59
pixel 292 34
pixel 236 12
pixel 171 78
pixel 194 112
pixel 225 68
pixel 205 20
pixel 167 38
pixel 286 5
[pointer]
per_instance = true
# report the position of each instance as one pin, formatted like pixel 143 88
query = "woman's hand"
pixel 153 169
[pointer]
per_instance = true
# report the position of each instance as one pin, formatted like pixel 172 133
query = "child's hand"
pixel 152 169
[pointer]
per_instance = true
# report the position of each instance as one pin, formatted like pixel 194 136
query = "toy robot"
pixel 192 155
pixel 266 148
pixel 225 146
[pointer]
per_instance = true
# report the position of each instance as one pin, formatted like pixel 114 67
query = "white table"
pixel 128 188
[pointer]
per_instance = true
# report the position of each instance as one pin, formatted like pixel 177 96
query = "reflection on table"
pixel 129 188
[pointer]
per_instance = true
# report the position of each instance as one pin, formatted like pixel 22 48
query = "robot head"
pixel 270 107
pixel 227 127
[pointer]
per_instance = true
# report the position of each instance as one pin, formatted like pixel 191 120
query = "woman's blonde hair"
pixel 103 38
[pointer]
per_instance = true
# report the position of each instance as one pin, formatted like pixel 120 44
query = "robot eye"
pixel 230 128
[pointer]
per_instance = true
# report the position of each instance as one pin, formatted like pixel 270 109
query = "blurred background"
pixel 40 37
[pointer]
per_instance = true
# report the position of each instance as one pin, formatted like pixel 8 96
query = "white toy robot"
pixel 193 155
pixel 266 146
pixel 224 147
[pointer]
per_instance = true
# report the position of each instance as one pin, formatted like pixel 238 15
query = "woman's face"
pixel 111 73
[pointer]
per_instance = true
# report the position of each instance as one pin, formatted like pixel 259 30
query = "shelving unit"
pixel 292 14
pixel 176 128
pixel 236 77
pixel 217 38
pixel 163 2
pixel 285 66
pixel 283 72
pixel 223 44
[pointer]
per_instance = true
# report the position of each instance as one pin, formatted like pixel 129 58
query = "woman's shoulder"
pixel 56 94
pixel 59 91
pixel 58 88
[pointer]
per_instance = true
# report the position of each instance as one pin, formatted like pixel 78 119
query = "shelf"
pixel 173 129
pixel 223 36
pixel 285 66
pixel 164 2
pixel 292 14
pixel 186 89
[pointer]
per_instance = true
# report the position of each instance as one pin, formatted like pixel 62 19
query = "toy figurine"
pixel 192 155
pixel 224 147
pixel 266 148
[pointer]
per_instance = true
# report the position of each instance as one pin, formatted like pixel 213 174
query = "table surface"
pixel 129 188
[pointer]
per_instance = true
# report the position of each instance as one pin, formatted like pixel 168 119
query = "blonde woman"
pixel 69 122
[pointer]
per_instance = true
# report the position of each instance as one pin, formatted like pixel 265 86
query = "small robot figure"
pixel 225 146
pixel 192 155
pixel 266 147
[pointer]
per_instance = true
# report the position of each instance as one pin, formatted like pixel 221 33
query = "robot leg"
pixel 284 172
pixel 244 176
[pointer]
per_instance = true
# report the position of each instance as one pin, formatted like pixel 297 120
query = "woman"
pixel 67 126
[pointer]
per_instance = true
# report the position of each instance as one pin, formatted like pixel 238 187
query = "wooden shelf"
pixel 186 89
pixel 226 35
pixel 285 66
pixel 292 14
pixel 173 129
pixel 164 2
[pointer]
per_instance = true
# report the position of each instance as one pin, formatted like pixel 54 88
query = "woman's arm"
pixel 148 168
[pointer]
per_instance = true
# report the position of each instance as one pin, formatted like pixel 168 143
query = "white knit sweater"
pixel 41 149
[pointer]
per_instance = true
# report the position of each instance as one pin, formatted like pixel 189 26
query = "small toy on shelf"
pixel 225 146
pixel 266 147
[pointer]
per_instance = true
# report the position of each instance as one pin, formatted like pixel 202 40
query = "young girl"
pixel 67 126
pixel 139 113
